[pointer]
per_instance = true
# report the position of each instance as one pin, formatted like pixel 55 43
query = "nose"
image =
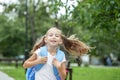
pixel 54 36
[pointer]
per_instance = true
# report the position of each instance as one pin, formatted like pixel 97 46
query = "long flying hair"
pixel 72 45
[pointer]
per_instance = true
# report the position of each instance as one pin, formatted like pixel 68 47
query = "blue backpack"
pixel 30 73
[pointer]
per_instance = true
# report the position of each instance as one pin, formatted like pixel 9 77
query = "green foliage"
pixel 95 22
pixel 100 19
pixel 13 31
pixel 10 40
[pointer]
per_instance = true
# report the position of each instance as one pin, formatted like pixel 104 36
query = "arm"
pixel 62 71
pixel 34 60
pixel 61 68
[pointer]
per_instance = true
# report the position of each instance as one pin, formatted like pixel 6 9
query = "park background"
pixel 95 22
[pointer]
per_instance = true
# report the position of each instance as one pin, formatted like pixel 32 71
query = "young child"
pixel 46 52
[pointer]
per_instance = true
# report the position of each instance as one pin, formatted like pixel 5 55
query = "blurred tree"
pixel 97 22
pixel 100 19
pixel 12 37
pixel 11 40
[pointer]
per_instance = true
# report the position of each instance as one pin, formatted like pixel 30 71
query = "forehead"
pixel 54 30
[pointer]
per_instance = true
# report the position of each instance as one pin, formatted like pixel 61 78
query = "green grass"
pixel 16 73
pixel 78 73
pixel 96 73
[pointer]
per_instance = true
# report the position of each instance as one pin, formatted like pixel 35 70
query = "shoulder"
pixel 43 51
pixel 63 58
pixel 60 55
pixel 37 51
pixel 60 52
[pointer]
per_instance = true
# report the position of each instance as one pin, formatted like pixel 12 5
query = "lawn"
pixel 79 73
pixel 96 73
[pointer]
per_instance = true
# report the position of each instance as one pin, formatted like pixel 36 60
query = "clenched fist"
pixel 56 63
pixel 41 60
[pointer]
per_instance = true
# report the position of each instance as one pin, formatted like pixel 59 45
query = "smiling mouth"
pixel 53 41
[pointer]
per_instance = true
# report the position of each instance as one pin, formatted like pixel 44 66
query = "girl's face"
pixel 53 37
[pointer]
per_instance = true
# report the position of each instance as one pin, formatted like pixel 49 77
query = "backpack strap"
pixel 43 52
pixel 59 56
pixel 30 73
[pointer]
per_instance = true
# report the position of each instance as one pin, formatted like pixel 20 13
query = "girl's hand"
pixel 41 60
pixel 61 67
pixel 34 60
pixel 56 63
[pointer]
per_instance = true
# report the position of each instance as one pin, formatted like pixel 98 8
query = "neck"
pixel 52 50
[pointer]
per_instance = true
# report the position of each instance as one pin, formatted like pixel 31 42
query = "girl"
pixel 54 67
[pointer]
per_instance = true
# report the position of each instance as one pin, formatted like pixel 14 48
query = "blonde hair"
pixel 72 45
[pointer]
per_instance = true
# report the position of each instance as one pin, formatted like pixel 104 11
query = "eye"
pixel 50 35
pixel 57 35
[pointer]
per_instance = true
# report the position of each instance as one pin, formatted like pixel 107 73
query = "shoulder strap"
pixel 43 53
pixel 59 56
pixel 30 73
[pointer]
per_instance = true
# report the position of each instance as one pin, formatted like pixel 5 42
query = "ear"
pixel 45 39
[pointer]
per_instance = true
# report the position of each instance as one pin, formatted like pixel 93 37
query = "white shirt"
pixel 46 72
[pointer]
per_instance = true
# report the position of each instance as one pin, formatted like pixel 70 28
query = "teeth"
pixel 53 41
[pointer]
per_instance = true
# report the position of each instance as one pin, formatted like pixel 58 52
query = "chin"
pixel 54 45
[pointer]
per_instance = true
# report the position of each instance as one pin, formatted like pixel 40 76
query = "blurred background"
pixel 95 22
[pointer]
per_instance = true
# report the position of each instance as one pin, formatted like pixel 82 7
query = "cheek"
pixel 60 41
